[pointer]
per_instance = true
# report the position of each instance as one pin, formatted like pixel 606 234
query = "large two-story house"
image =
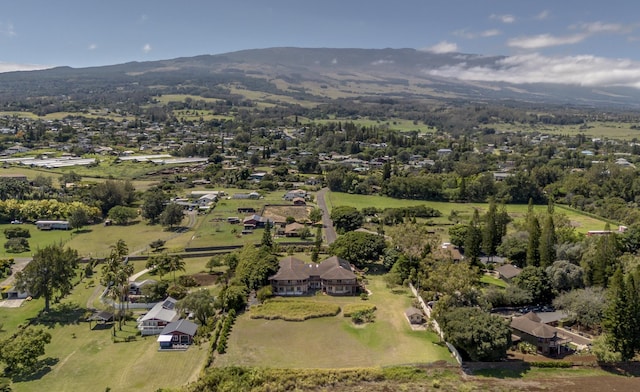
pixel 530 328
pixel 158 317
pixel 333 276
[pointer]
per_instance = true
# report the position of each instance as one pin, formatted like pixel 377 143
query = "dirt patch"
pixel 276 212
pixel 206 279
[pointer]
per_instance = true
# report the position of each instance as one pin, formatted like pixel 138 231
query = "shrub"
pixel 17 245
pixel 350 309
pixel 187 281
pixel 363 316
pixel 264 293
pixel 551 364
pixel 177 291
pixel 15 232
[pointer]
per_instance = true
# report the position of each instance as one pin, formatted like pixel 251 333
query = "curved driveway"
pixel 329 230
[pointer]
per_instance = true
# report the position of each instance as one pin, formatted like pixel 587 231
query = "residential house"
pixel 507 272
pixel 332 276
pixel 529 328
pixel 299 201
pixel 180 332
pixel 298 193
pixel 293 229
pixel 253 221
pixel 162 314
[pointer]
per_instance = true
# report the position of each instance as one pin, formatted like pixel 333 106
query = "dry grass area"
pixel 299 213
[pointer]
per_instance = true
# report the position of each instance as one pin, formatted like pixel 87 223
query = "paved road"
pixel 329 230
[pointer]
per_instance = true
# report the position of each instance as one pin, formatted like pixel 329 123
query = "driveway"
pixel 329 230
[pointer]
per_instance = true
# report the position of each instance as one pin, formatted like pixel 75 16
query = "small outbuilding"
pixel 414 316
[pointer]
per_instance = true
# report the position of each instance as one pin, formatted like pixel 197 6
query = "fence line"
pixel 434 323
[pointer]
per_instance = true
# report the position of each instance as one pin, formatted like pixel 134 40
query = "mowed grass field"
pixel 596 129
pixel 582 223
pixel 88 360
pixel 335 342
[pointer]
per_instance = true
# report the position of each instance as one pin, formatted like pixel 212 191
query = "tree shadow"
pixel 41 368
pixel 502 370
pixel 628 369
pixel 82 231
pixel 60 314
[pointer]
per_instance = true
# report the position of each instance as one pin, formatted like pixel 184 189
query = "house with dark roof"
pixel 179 332
pixel 162 314
pixel 332 276
pixel 530 328
pixel 507 272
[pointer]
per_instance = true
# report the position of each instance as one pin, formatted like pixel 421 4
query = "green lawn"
pixel 38 239
pixel 334 342
pixel 583 223
pixel 491 281
pixel 88 360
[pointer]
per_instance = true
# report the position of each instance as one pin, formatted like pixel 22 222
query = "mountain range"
pixel 313 75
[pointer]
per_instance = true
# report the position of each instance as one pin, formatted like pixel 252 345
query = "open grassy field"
pixel 39 239
pixel 582 223
pixel 609 130
pixel 88 360
pixel 61 115
pixel 334 342
pixel 96 240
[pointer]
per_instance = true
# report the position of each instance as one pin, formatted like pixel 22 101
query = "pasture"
pixel 464 211
pixel 596 129
pixel 335 342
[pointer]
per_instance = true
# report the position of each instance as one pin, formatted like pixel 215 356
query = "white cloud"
pixel 443 47
pixel 92 47
pixel 599 27
pixel 545 40
pixel 471 35
pixel 146 48
pixel 11 67
pixel 7 30
pixel 382 62
pixel 508 19
pixel 543 15
pixel 584 70
pixel 490 33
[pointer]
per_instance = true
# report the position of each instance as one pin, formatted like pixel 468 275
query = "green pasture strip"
pixel 582 222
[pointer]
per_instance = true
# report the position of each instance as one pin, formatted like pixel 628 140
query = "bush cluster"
pixel 224 332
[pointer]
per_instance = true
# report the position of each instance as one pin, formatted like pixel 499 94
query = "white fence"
pixel 434 324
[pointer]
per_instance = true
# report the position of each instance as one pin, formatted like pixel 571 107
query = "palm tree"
pixel 115 276
pixel 175 263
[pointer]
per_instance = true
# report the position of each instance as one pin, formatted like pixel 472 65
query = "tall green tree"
pixel 548 240
pixel 601 259
pixel 175 264
pixel 473 240
pixel 172 215
pixel 346 218
pixel 200 302
pixel 153 204
pixel 78 218
pixel 619 323
pixel 482 336
pixel 533 244
pixel 267 237
pixel 490 240
pixel 49 273
pixel 20 352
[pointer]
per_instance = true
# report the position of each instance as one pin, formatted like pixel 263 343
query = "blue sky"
pixel 565 41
